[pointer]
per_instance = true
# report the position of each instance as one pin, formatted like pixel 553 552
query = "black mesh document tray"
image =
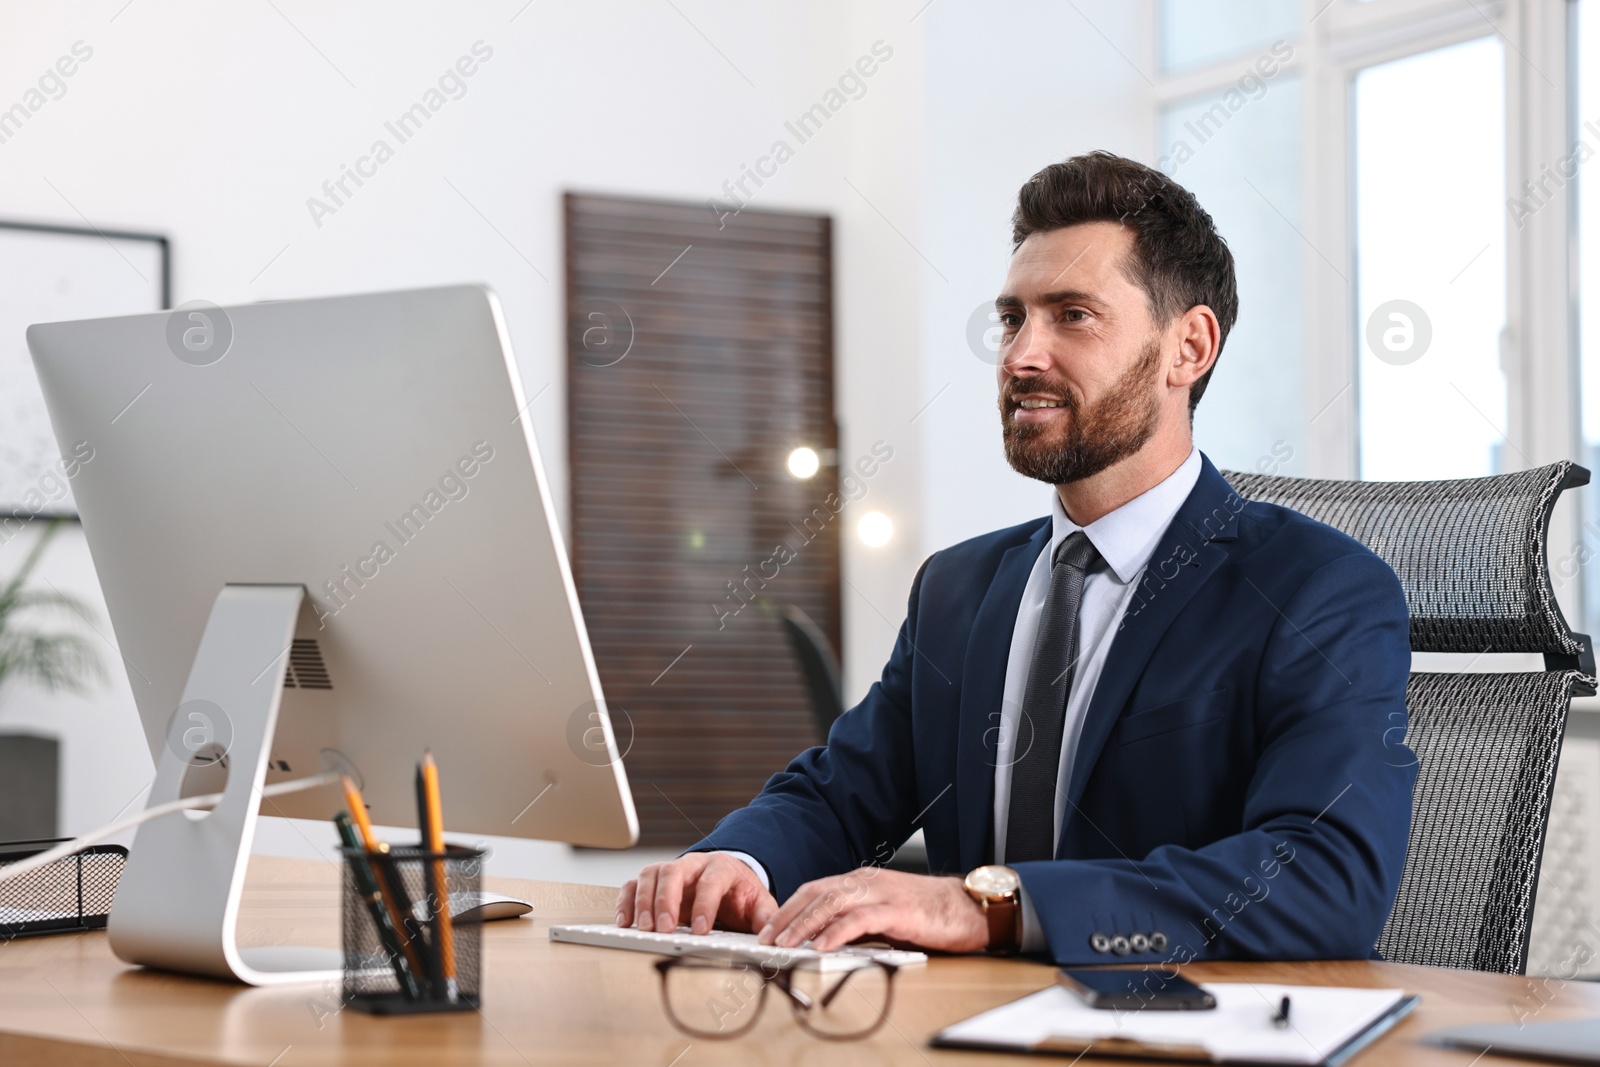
pixel 73 893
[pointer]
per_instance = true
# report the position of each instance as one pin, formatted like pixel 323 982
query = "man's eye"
pixel 1010 320
pixel 1075 314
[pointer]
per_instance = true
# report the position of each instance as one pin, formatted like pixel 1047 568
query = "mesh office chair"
pixel 1471 556
pixel 819 667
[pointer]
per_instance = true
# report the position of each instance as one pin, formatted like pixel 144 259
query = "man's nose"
pixel 1028 352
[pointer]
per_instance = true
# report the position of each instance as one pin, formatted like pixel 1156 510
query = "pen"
pixel 429 968
pixel 1281 1020
pixel 433 824
pixel 386 878
pixel 367 886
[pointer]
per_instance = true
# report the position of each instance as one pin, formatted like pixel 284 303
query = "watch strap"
pixel 1005 924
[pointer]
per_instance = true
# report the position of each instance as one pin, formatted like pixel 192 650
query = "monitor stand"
pixel 177 904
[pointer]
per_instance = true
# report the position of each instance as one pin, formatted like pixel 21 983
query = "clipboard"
pixel 1328 1026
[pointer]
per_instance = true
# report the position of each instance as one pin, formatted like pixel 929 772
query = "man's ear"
pixel 1199 338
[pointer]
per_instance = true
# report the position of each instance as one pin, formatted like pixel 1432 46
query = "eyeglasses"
pixel 838 998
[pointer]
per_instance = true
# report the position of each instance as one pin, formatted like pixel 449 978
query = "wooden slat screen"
pixel 699 356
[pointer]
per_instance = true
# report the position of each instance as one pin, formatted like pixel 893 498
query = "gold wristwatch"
pixel 998 892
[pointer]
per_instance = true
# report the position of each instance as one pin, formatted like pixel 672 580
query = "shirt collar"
pixel 1126 537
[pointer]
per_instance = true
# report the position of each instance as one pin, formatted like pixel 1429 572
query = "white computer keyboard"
pixel 727 945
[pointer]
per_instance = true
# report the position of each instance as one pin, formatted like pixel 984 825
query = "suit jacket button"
pixel 1158 941
pixel 1119 945
pixel 1099 942
pixel 1140 943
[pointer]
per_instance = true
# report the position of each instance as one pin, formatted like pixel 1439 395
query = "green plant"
pixel 55 660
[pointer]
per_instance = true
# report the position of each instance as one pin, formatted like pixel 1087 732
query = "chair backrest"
pixel 30 773
pixel 818 666
pixel 1470 554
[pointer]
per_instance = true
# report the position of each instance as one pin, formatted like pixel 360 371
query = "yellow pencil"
pixel 435 843
pixel 358 812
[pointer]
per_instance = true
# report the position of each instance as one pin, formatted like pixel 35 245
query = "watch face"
pixel 993 881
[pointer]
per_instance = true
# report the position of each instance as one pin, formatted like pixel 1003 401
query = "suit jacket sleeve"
pixel 1314 868
pixel 843 805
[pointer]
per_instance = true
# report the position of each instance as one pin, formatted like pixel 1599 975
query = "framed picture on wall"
pixel 47 274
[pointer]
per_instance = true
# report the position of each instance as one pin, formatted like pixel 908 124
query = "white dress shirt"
pixel 1126 539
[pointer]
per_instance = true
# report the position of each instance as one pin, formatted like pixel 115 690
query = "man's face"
pixel 1081 382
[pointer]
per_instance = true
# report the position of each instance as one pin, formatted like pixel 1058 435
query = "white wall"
pixel 215 124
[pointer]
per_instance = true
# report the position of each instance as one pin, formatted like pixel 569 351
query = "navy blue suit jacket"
pixel 1241 784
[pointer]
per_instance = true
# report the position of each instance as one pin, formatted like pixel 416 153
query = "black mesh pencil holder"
pixel 401 953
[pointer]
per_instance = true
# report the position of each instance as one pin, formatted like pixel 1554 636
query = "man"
pixel 1159 724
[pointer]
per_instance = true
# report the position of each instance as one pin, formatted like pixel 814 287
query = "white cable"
pixel 9 872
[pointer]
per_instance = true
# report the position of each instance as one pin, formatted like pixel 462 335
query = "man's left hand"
pixel 917 909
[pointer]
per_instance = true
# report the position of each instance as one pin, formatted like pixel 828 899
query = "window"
pixel 1429 134
pixel 1584 557
pixel 1231 135
pixel 1243 163
pixel 1195 33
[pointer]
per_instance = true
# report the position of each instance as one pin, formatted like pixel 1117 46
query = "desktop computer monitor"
pixel 326 541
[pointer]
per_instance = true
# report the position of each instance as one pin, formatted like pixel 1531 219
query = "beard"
pixel 1092 437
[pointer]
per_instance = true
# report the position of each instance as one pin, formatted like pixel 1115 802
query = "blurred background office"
pixel 747 254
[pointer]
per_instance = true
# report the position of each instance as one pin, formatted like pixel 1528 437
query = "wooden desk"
pixel 66 1000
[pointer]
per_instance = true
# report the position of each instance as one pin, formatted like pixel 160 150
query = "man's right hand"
pixel 700 890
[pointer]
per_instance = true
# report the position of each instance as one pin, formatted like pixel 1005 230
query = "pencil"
pixel 435 844
pixel 358 812
pixel 430 879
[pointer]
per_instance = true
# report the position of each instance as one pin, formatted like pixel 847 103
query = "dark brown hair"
pixel 1178 258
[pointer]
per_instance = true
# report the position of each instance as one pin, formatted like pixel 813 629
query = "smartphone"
pixel 1132 990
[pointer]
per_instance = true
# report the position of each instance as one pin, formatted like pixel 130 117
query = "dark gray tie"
pixel 1030 819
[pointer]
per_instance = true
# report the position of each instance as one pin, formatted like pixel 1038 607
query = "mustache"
pixel 1013 387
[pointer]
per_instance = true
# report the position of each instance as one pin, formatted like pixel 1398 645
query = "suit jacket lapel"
pixel 982 687
pixel 1187 555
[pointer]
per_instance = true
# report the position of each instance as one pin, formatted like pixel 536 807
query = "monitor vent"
pixel 306 669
